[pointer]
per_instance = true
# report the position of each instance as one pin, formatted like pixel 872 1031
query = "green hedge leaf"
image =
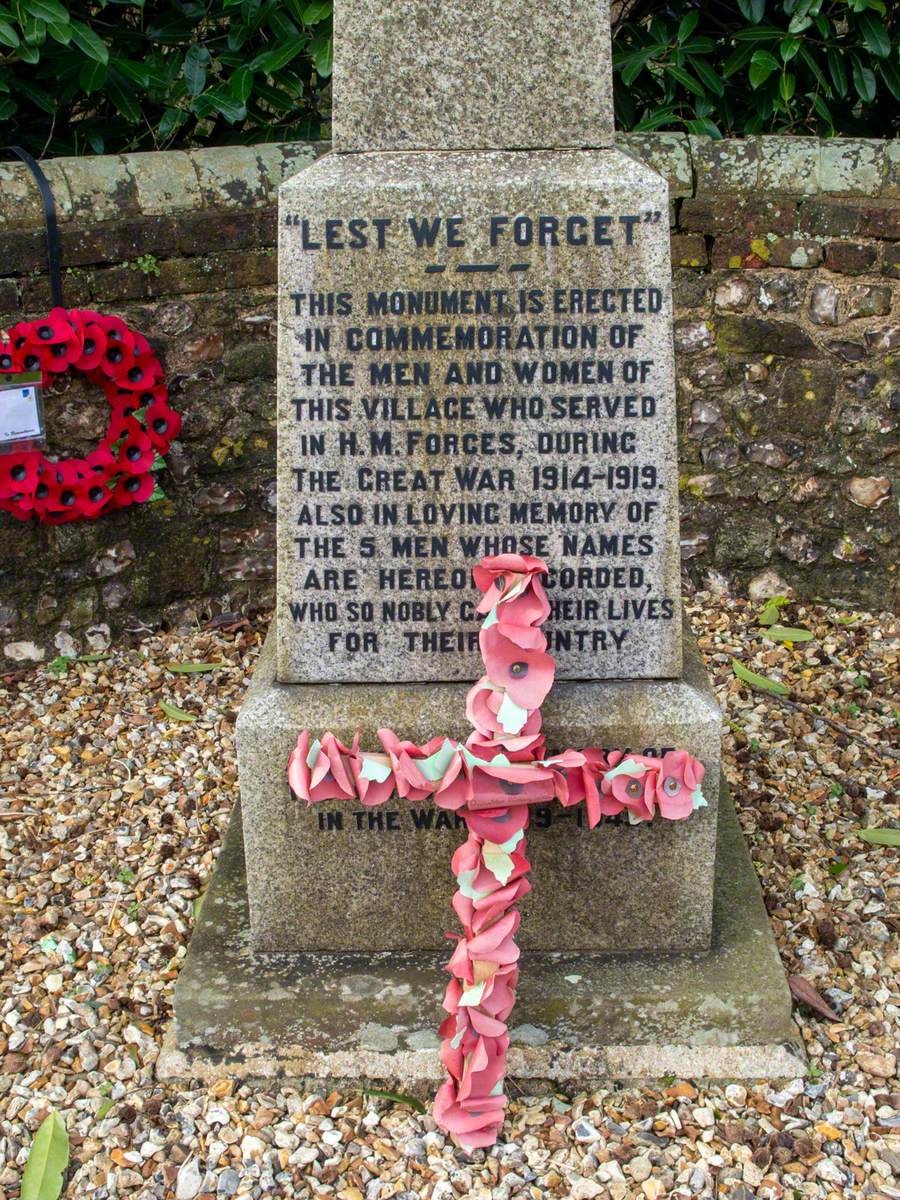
pixel 687 25
pixel 323 57
pixel 686 78
pixel 762 64
pixel 709 78
pixel 317 11
pixel 864 80
pixel 195 66
pixel 92 76
pixel 46 10
pixel 241 84
pixel 88 42
pixel 874 35
pixel 60 33
pixel 218 101
pixel 837 71
pixel 273 60
pixel 753 10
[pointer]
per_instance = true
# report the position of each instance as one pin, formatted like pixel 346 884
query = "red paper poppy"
pixel 163 425
pixel 93 497
pixel 61 502
pixel 142 373
pixel 134 489
pixel 10 359
pixel 49 329
pixel 136 454
pixel 101 461
pixel 118 472
pixel 526 674
pixel 117 359
pixel 19 472
pixel 121 426
pixel 93 347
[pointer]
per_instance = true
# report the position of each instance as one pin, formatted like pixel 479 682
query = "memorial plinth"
pixel 614 889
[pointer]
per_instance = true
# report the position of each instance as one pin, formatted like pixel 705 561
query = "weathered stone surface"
pixel 472 74
pixel 164 182
pixel 851 165
pixel 582 472
pixel 616 888
pixel 580 1019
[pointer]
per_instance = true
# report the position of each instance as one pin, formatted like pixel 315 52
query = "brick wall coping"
pixel 117 187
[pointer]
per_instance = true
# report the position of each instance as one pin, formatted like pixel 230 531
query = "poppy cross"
pixel 491 779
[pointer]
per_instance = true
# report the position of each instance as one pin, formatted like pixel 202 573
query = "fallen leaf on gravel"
pixel 769 614
pixel 396 1098
pixel 804 992
pixel 786 633
pixel 228 622
pixel 48 1158
pixel 758 681
pixel 176 713
pixel 881 837
pixel 181 668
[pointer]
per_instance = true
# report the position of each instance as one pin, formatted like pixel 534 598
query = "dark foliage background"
pixel 114 75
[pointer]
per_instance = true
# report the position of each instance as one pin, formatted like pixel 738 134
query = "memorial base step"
pixel 580 1019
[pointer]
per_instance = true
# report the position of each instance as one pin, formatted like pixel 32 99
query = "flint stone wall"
pixel 786 260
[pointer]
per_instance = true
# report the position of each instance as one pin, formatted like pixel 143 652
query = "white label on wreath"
pixel 20 411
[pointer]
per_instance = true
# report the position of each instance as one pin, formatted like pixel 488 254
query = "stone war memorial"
pixel 476 363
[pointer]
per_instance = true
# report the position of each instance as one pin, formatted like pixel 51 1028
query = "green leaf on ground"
pixel 396 1098
pixel 785 633
pixel 105 1108
pixel 176 713
pixel 769 614
pixel 48 1158
pixel 881 837
pixel 179 668
pixel 760 682
pixel 198 905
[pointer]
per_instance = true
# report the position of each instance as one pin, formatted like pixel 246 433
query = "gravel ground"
pixel 111 817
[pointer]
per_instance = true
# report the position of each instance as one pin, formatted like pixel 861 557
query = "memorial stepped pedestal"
pixel 475 342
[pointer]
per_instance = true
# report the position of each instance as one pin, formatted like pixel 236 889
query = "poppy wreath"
pixel 142 426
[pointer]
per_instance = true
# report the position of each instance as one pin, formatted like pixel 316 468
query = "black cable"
pixel 53 255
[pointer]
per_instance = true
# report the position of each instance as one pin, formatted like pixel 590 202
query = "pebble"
pixel 882 1065
pixel 584 1131
pixel 189 1181
pixel 584 1189
pixel 639 1168
pixel 228 1182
